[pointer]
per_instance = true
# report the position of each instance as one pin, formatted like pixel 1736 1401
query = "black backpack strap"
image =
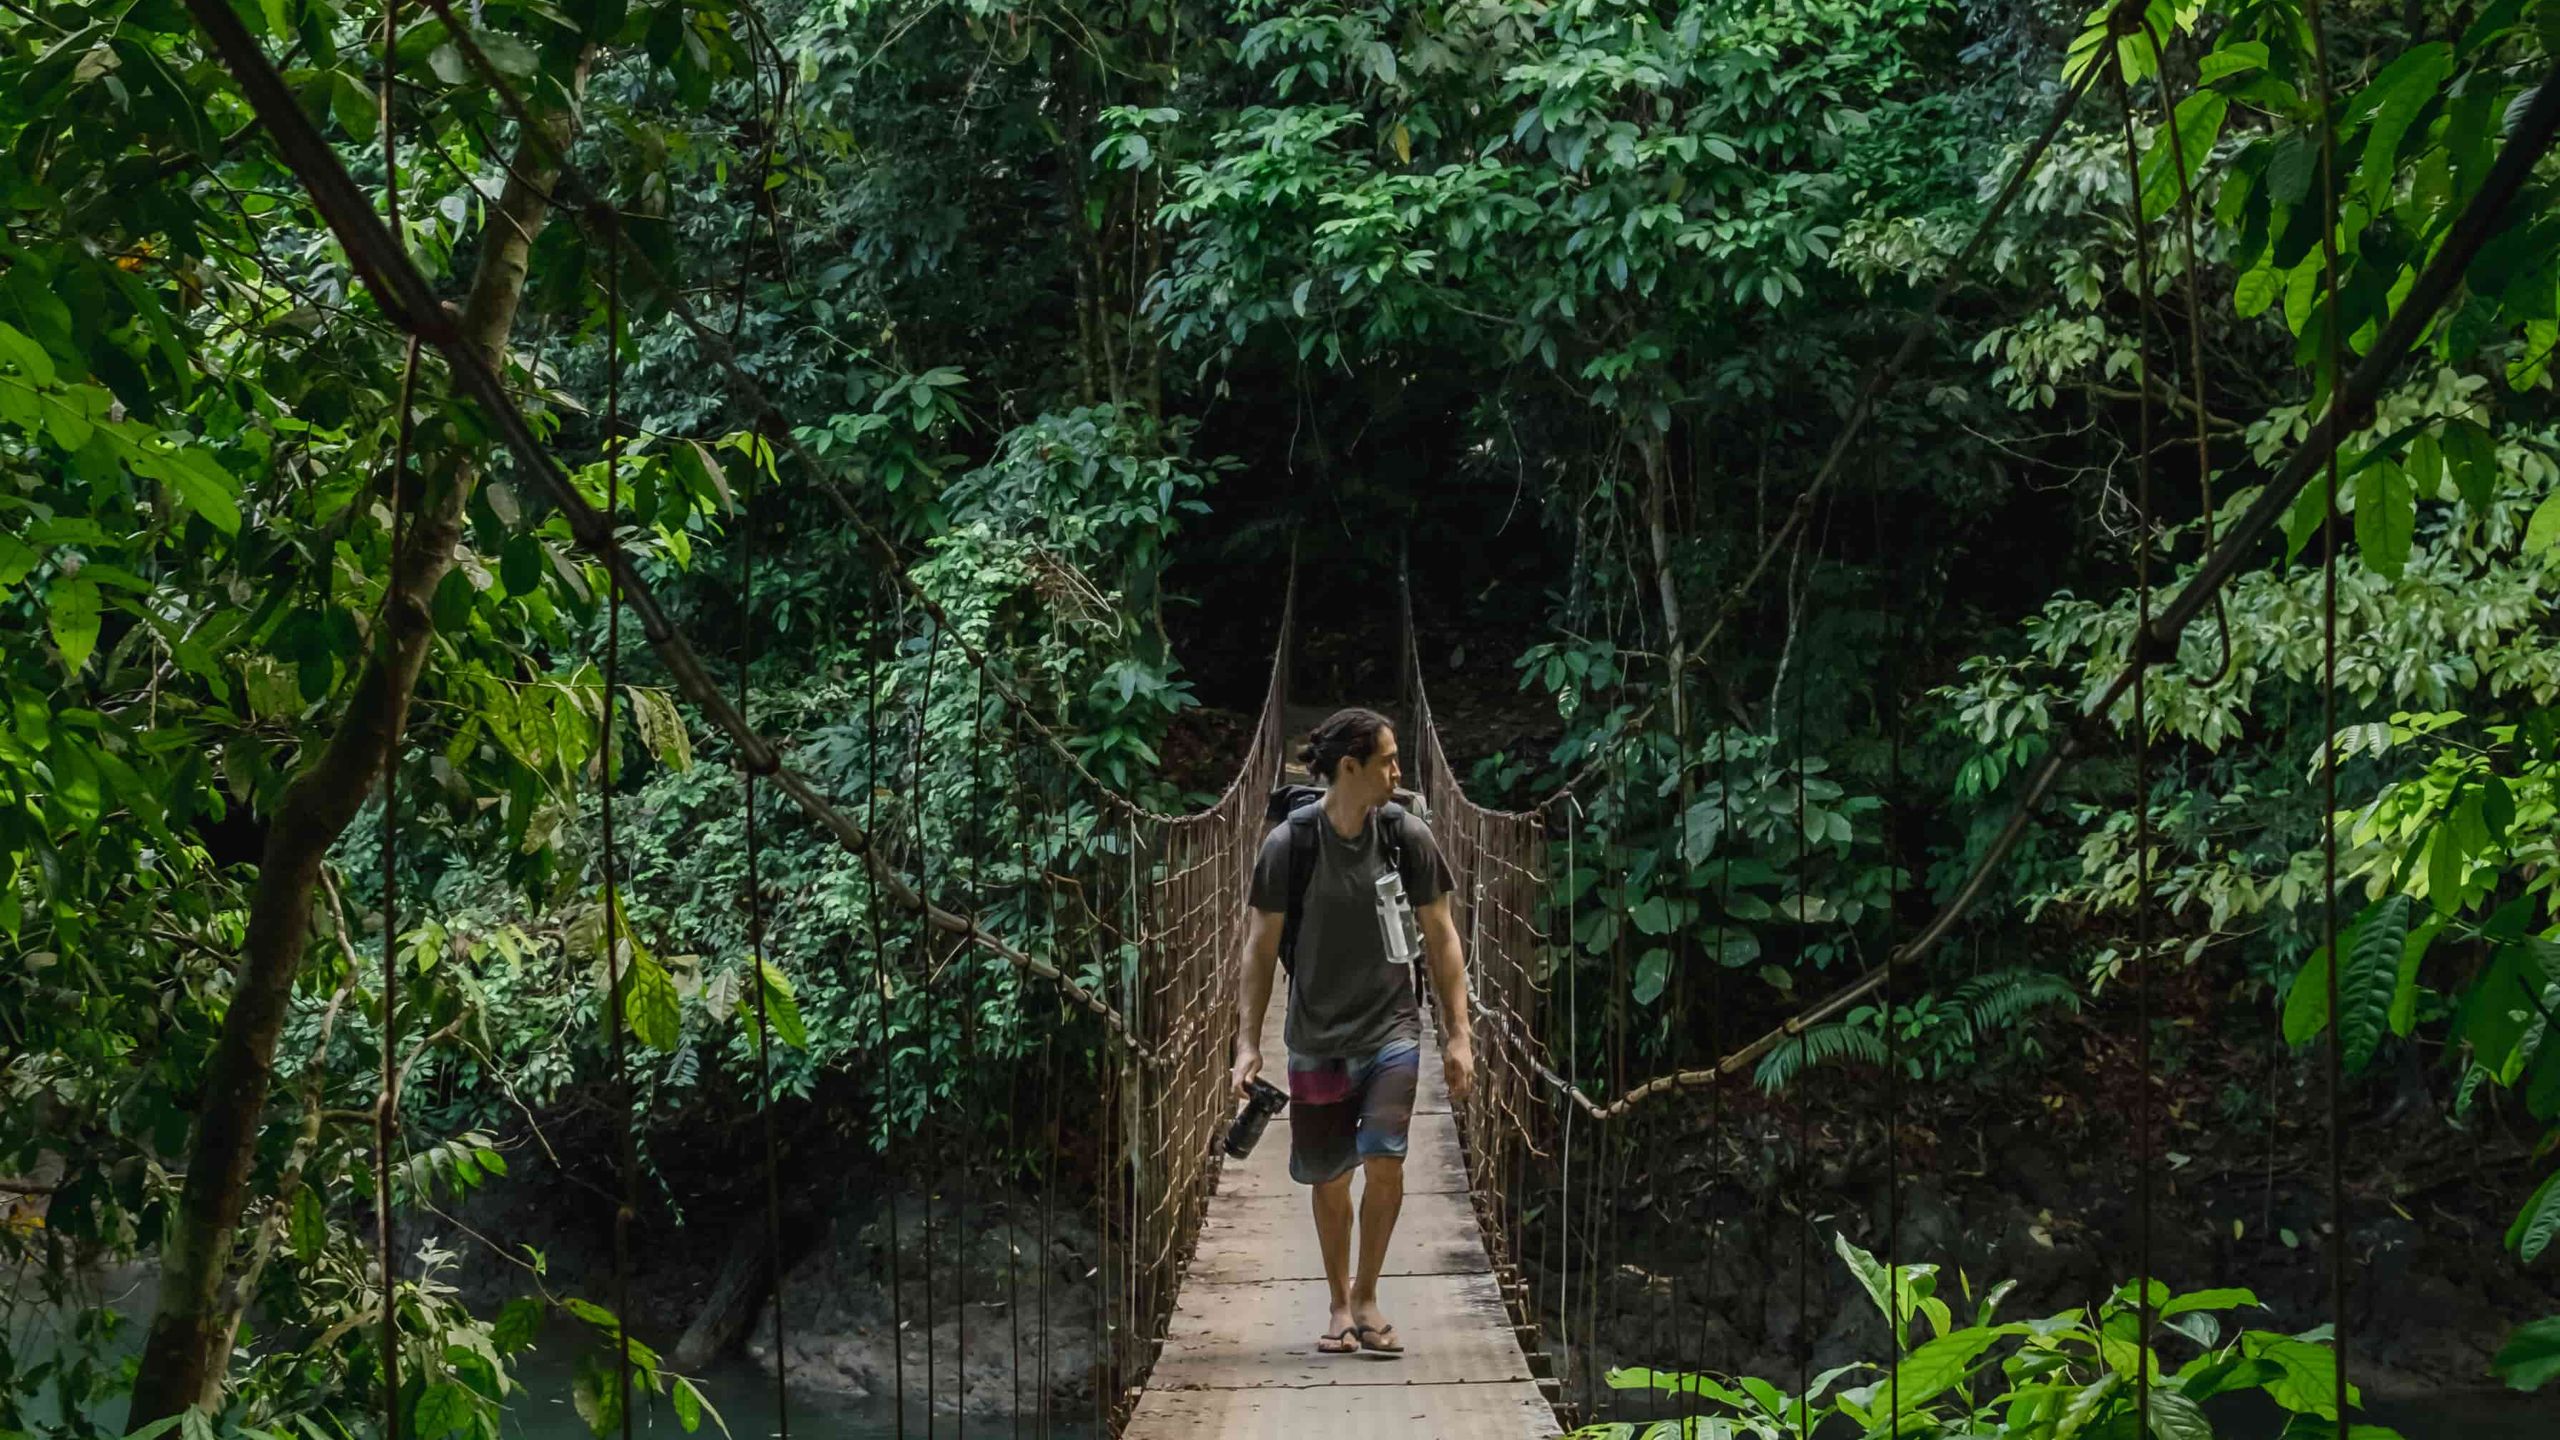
pixel 1302 869
pixel 1391 837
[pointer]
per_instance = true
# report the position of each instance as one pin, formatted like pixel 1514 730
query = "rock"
pixel 851 1332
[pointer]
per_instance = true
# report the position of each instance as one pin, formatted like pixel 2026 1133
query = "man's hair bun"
pixel 1352 732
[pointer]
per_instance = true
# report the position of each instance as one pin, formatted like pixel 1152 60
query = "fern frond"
pixel 1998 1001
pixel 1833 1044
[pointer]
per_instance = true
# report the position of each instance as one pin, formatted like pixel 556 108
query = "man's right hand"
pixel 1248 1068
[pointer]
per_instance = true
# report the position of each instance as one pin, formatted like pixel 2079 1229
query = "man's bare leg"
pixel 1333 1238
pixel 1381 1200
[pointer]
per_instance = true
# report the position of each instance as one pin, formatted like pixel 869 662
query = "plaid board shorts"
pixel 1342 1112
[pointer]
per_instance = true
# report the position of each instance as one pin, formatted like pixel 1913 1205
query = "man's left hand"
pixel 1458 1063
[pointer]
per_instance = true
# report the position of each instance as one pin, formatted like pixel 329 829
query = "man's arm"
pixel 1253 997
pixel 1449 976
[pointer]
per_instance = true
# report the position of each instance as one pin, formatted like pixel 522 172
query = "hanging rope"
pixel 386 1113
pixel 2142 537
pixel 871 784
pixel 1804 1114
pixel 756 946
pixel 2195 324
pixel 2330 343
pixel 613 922
pixel 918 790
pixel 1889 716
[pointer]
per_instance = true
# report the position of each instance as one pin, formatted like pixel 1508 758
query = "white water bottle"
pixel 1395 919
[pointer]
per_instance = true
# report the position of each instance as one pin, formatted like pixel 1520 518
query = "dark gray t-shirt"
pixel 1349 1000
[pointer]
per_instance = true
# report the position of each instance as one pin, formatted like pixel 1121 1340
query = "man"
pixel 1355 1024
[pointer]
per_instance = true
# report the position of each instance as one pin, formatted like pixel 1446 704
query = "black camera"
pixel 1262 1101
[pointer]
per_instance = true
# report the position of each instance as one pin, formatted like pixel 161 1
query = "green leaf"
pixel 2257 290
pixel 2302 521
pixel 2531 1357
pixel 17 558
pixel 2386 517
pixel 2225 1299
pixel 2471 459
pixel 688 1405
pixel 779 1004
pixel 310 1227
pixel 2175 1417
pixel 2393 100
pixel 2544 527
pixel 442 1409
pixel 517 1325
pixel 2404 990
pixel 2369 978
pixel 1653 974
pixel 206 487
pixel 24 353
pixel 649 1003
pixel 71 613
pixel 2537 1222
pixel 520 565
pixel 2306 1005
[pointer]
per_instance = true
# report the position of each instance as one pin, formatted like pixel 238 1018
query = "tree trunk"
pixel 189 1348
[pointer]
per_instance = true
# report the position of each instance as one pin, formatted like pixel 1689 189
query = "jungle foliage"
pixel 1088 302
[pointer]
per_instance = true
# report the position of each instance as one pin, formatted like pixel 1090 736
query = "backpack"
pixel 1300 808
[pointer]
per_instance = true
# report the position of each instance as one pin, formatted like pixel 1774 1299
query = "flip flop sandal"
pixel 1385 1341
pixel 1340 1342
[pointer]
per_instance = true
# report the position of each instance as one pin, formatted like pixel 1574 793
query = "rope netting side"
pixel 1184 891
pixel 1508 1124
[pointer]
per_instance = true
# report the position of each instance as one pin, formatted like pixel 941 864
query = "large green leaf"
pixel 2537 1222
pixel 443 1408
pixel 2175 1417
pixel 2306 1005
pixel 2370 977
pixel 779 1004
pixel 2386 517
pixel 2531 1357
pixel 71 613
pixel 2225 1299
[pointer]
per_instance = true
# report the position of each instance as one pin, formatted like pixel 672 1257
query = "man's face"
pixel 1374 780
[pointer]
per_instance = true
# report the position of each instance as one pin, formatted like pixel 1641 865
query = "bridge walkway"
pixel 1239 1360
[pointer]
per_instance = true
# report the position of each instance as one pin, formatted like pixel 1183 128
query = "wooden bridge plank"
pixel 1348 1412
pixel 1263 1335
pixel 1239 1359
pixel 1274 1238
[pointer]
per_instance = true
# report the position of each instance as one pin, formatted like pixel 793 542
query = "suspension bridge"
pixel 1205 1291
